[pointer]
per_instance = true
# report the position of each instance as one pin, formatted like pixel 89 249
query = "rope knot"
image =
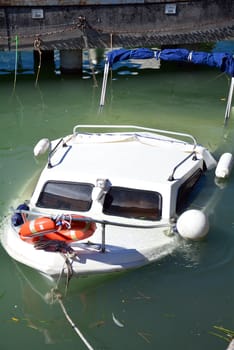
pixel 37 44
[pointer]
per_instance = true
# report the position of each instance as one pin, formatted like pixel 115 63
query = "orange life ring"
pixel 77 230
pixel 39 225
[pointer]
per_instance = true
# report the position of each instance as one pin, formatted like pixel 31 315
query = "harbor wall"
pixel 71 25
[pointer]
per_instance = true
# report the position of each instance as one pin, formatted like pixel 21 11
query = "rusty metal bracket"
pixel 81 23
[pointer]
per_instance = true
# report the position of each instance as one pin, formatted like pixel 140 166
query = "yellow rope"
pixel 37 44
pixel 16 61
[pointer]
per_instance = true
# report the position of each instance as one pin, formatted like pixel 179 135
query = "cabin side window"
pixel 187 191
pixel 66 196
pixel 131 203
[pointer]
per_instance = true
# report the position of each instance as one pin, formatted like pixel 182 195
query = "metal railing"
pixel 103 223
pixel 141 128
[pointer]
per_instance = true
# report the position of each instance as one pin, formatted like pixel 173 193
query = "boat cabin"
pixel 140 176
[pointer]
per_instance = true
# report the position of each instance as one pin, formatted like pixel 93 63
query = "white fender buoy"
pixel 224 166
pixel 193 224
pixel 41 147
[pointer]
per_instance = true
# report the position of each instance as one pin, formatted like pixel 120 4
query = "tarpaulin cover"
pixel 223 61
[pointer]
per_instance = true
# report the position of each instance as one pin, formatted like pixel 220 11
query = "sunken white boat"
pixel 111 198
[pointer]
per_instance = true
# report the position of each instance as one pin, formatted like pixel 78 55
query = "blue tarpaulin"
pixel 223 61
pixel 123 55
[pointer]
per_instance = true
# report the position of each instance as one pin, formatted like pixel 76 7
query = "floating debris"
pixel 116 321
pixel 145 336
pixel 226 334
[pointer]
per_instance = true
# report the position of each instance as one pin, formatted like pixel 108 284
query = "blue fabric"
pixel 173 55
pixel 17 218
pixel 223 61
pixel 122 55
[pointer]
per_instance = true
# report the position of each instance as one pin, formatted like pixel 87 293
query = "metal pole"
pixel 229 101
pixel 104 82
pixel 103 247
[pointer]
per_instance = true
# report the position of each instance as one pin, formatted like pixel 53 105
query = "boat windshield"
pixel 66 196
pixel 132 203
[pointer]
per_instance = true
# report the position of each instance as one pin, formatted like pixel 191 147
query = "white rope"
pixel 190 56
pixel 229 101
pixel 76 329
pixel 104 82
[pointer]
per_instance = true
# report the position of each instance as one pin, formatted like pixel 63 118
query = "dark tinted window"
pixel 131 203
pixel 187 191
pixel 66 196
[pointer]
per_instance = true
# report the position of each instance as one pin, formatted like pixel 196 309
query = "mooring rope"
pixel 82 26
pixel 52 297
pixel 57 296
pixel 90 61
pixel 37 44
pixel 16 61
pixel 69 271
pixel 76 329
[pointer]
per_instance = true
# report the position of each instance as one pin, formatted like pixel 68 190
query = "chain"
pixel 70 27
pixel 82 24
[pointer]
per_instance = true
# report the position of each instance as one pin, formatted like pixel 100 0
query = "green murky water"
pixel 172 304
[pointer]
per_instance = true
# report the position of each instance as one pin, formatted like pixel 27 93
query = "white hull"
pixel 138 249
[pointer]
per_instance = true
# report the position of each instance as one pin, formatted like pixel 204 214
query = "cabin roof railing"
pixel 192 139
